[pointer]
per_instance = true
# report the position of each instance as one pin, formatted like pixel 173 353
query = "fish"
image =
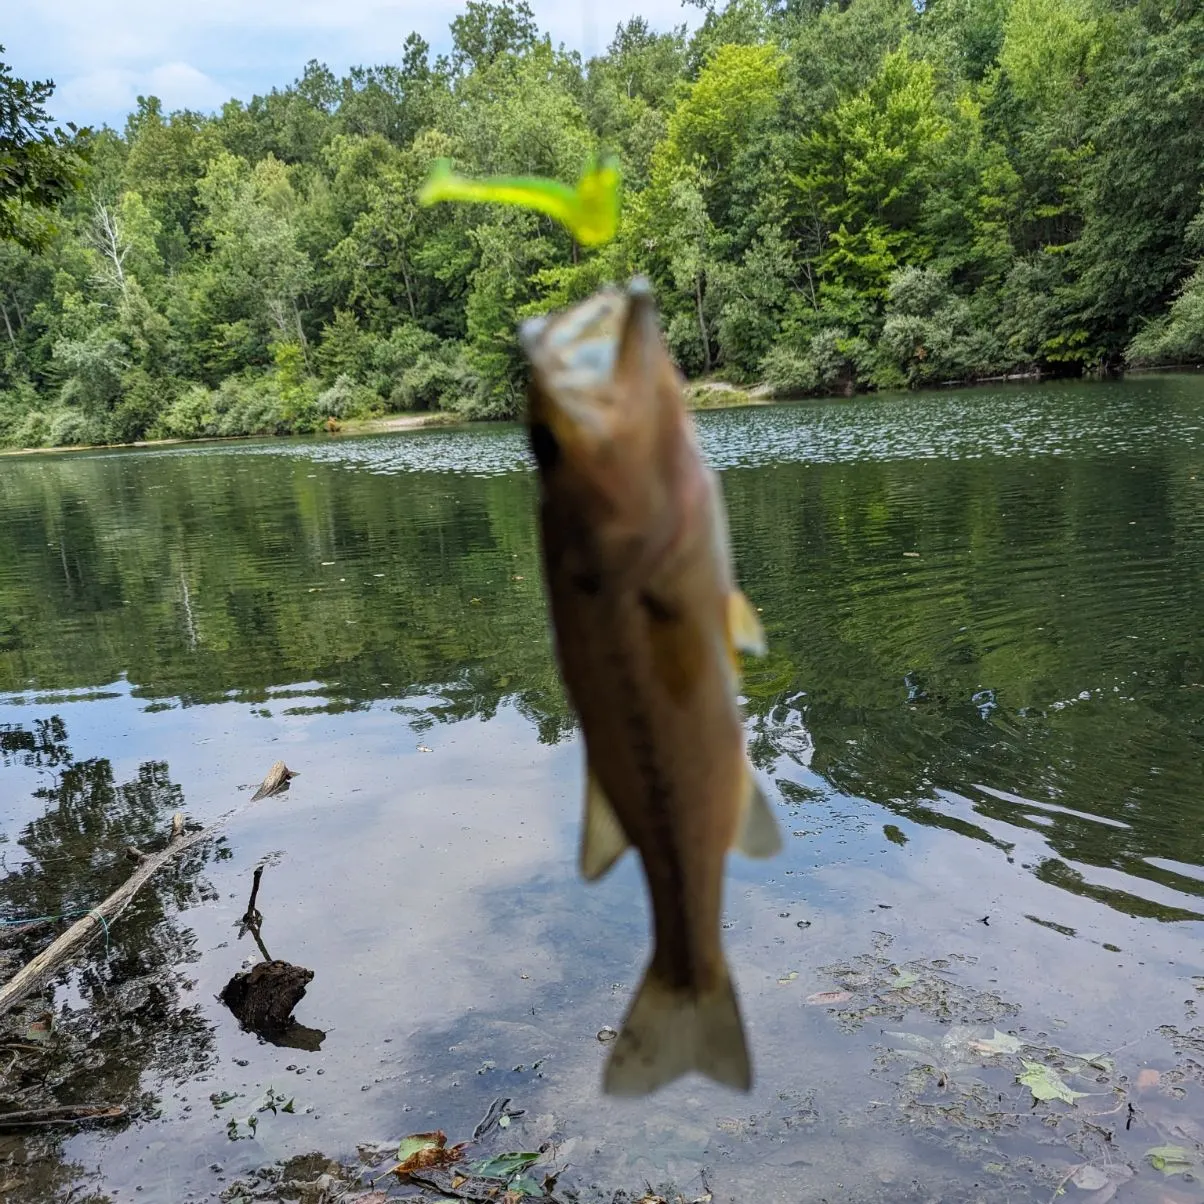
pixel 648 625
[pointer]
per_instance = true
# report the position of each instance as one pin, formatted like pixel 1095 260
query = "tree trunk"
pixel 8 325
pixel 405 275
pixel 702 324
pixel 302 338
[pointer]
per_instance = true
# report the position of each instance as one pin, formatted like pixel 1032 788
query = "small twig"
pixel 252 916
pixel 254 931
pixel 1066 1178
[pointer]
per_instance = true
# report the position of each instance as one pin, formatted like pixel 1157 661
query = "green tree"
pixel 39 165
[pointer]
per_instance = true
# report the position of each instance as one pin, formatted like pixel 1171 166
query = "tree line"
pixel 829 195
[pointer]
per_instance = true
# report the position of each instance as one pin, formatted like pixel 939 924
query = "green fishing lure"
pixel 590 212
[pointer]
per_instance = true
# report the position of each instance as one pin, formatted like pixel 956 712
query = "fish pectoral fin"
pixel 603 840
pixel 670 1031
pixel 758 835
pixel 743 627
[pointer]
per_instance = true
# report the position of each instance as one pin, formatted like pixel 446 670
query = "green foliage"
pixel 39 166
pixel 828 197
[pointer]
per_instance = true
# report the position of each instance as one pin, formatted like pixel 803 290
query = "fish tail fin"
pixel 670 1031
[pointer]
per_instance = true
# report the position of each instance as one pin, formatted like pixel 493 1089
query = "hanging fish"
pixel 648 624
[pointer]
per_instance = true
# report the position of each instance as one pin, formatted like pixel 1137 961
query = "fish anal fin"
pixel 743 626
pixel 758 834
pixel 670 1031
pixel 603 840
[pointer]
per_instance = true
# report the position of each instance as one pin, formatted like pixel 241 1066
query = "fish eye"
pixel 544 446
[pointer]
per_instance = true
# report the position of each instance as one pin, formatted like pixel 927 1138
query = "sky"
pixel 197 54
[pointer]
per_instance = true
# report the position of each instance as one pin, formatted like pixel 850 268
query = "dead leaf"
pixel 421 1151
pixel 1148 1079
pixel 39 1030
pixel 1000 1043
pixel 822 998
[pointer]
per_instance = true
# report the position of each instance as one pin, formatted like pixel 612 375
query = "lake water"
pixel 980 721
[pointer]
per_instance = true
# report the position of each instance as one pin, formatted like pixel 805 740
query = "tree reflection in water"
pixel 120 1020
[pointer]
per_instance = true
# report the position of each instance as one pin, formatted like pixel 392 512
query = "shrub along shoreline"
pixel 829 196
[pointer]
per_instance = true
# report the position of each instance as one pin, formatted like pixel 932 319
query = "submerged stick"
pixel 98 919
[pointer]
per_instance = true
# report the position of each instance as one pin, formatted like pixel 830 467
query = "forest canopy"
pixel 827 197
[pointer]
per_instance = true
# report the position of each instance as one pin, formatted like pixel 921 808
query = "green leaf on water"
pixel 904 979
pixel 505 1166
pixel 1171 1159
pixel 1000 1043
pixel 417 1142
pixel 1046 1084
pixel 524 1185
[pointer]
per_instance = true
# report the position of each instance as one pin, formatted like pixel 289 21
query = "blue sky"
pixel 198 53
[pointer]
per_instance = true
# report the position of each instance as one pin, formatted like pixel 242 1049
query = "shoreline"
pixel 703 394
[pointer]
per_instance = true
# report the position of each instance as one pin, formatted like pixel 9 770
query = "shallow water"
pixel 980 720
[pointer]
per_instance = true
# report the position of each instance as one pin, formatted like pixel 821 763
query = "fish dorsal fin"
pixel 758 835
pixel 603 840
pixel 743 627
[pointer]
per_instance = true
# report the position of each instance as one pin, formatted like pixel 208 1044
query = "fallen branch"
pixel 100 917
pixel 66 1114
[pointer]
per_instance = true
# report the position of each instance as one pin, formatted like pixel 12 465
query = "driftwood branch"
pixel 99 918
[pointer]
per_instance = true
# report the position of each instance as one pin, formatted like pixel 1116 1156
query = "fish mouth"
pixel 573 353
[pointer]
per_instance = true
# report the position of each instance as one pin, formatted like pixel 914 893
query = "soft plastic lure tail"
pixel 590 211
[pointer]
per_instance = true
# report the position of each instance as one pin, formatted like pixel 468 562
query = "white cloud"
pixel 113 90
pixel 182 86
pixel 198 53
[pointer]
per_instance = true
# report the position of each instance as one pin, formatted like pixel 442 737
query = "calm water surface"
pixel 981 722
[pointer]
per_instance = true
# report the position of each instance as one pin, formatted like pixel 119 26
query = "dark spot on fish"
pixel 657 610
pixel 544 446
pixel 587 583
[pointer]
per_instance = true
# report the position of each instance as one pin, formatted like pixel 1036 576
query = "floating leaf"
pixel 788 977
pixel 505 1166
pixel 525 1185
pixel 421 1151
pixel 1000 1043
pixel 1046 1084
pixel 1089 1178
pixel 820 998
pixel 903 979
pixel 590 211
pixel 1171 1159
